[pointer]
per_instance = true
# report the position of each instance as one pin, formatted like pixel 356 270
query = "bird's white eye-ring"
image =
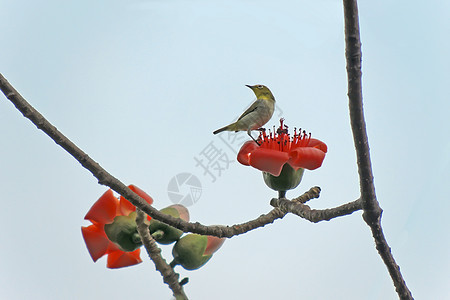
pixel 260 86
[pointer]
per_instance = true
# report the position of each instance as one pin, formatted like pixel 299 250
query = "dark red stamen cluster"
pixel 281 140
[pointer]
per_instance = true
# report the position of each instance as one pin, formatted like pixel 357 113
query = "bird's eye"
pixel 260 86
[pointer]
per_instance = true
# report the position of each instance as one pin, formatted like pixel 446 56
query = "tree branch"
pixel 315 215
pixel 154 252
pixel 107 179
pixel 372 210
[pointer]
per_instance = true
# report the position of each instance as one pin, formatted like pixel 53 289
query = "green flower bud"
pixel 287 180
pixel 123 232
pixel 192 251
pixel 166 234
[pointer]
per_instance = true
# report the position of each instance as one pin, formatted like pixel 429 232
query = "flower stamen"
pixel 279 139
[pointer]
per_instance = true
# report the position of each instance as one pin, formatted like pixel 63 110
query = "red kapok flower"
pixel 278 148
pixel 104 212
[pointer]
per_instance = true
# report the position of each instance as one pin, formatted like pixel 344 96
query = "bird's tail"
pixel 231 127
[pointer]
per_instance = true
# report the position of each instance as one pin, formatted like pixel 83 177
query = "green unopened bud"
pixel 192 251
pixel 123 232
pixel 287 180
pixel 166 234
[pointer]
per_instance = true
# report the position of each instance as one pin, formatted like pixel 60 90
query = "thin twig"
pixel 154 252
pixel 107 179
pixel 372 210
pixel 316 215
pixel 313 193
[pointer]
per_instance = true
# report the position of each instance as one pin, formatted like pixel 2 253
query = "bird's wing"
pixel 252 108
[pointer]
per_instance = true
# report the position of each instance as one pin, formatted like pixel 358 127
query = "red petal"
pixel 315 143
pixel 104 209
pixel 126 207
pixel 96 241
pixel 213 244
pixel 245 151
pixel 268 160
pixel 306 157
pixel 112 247
pixel 120 259
pixel 141 193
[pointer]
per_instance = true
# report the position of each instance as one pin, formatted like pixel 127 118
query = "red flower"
pixel 278 148
pixel 103 212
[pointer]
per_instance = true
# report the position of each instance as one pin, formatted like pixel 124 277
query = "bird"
pixel 258 114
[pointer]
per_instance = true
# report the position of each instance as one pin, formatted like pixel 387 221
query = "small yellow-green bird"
pixel 258 114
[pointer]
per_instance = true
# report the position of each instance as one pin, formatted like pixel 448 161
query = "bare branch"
pixel 313 193
pixel 154 252
pixel 107 179
pixel 315 215
pixel 370 205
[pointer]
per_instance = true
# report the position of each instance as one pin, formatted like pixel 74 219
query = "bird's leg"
pixel 249 132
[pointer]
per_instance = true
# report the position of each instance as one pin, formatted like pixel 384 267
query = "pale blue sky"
pixel 141 85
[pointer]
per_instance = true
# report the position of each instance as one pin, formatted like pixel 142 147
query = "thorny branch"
pixel 370 205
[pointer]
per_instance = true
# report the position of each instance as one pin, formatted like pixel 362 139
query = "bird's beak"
pixel 249 86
